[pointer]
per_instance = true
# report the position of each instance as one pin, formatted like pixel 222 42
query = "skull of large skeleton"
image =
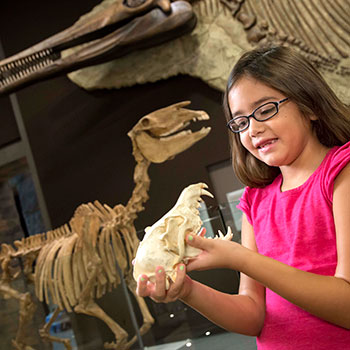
pixel 164 242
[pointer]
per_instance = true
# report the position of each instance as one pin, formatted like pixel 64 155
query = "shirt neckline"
pixel 310 178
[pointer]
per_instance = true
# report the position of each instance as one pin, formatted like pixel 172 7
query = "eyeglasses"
pixel 262 113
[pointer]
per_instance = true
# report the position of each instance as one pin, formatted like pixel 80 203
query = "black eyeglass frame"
pixel 253 116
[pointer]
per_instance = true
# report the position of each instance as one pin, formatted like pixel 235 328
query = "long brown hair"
pixel 290 73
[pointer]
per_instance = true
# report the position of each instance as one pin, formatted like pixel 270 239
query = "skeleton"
pixel 76 263
pixel 224 28
pixel 122 27
pixel 164 242
pixel 227 28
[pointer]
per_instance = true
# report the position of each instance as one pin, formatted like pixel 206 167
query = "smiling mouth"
pixel 266 144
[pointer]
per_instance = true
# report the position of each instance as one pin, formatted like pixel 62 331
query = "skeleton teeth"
pixel 226 237
pixel 207 193
pixel 229 234
pixel 203 116
pixel 205 129
pixel 221 235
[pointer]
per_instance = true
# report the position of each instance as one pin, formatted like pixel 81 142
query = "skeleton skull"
pixel 164 242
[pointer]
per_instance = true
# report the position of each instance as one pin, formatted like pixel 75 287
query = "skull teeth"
pixel 226 237
pixel 207 193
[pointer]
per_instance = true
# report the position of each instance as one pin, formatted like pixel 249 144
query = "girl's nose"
pixel 255 127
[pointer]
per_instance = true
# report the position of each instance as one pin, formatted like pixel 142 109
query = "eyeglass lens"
pixel 262 113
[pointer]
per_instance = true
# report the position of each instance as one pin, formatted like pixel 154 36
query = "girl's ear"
pixel 313 117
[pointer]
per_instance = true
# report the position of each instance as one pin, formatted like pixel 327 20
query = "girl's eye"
pixel 241 123
pixel 265 111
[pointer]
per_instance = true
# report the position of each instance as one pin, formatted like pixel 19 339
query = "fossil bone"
pixel 227 28
pixel 164 242
pixel 77 263
pixel 224 29
pixel 113 31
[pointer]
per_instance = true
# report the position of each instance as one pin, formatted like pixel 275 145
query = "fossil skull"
pixel 164 242
pixel 159 136
pixel 116 30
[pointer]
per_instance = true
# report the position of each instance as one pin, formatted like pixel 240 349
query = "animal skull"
pixel 164 242
pixel 161 135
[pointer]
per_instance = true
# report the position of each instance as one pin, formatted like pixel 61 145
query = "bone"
pixel 66 261
pixel 207 193
pixel 42 266
pixel 62 301
pixel 103 244
pixel 78 271
pixel 164 242
pixel 58 278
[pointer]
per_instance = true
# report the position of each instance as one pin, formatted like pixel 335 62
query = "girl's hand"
pixel 216 253
pixel 156 291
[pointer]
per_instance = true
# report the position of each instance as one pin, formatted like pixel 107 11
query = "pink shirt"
pixel 297 228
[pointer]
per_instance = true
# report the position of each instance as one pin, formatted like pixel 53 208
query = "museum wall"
pixel 80 145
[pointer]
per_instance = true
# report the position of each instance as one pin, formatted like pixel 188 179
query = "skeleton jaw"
pixel 162 149
pixel 111 33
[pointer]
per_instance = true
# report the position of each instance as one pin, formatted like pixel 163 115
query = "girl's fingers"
pixel 176 287
pixel 160 291
pixel 197 241
pixel 142 289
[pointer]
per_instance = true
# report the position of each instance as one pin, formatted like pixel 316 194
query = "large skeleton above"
pixel 223 30
pixel 113 31
pixel 320 30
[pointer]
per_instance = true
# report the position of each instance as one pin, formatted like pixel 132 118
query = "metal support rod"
pixel 129 304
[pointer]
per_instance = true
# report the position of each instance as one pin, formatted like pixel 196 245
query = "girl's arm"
pixel 243 313
pixel 341 212
pixel 327 297
pixel 237 313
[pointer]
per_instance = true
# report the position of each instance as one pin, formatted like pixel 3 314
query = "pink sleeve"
pixel 244 205
pixel 336 164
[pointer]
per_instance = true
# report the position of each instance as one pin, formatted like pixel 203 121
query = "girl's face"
pixel 279 141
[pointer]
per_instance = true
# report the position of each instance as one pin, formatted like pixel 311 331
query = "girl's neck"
pixel 297 173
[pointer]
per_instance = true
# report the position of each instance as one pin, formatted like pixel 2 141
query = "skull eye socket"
pixel 134 3
pixel 145 122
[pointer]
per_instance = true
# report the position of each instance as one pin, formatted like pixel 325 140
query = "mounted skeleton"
pixel 223 28
pixel 77 263
pixel 118 29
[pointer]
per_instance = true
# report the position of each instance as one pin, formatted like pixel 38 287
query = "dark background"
pixel 79 139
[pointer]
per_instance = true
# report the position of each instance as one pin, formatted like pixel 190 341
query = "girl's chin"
pixel 270 161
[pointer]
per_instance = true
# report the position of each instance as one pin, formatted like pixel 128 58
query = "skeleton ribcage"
pixel 318 28
pixel 87 251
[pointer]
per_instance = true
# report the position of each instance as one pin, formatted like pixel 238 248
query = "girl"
pixel 290 146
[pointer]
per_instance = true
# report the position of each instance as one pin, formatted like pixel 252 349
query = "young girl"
pixel 290 146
